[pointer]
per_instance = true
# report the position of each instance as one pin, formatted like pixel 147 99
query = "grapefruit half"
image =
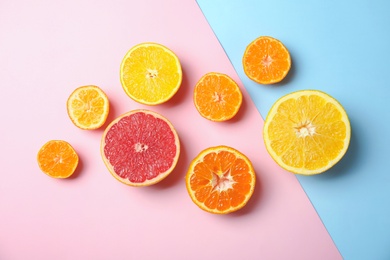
pixel 140 148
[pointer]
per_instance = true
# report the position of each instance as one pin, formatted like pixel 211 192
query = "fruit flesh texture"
pixel 88 108
pixel 217 97
pixel 267 61
pixel 57 159
pixel 221 181
pixel 151 74
pixel 307 132
pixel 140 147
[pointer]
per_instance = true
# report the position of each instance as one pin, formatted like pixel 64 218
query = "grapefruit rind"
pixel 147 182
pixel 199 158
pixel 295 95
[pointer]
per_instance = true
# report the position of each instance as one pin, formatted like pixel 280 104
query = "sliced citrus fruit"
pixel 88 107
pixel 140 148
pixel 150 73
pixel 307 132
pixel 217 97
pixel 220 180
pixel 266 60
pixel 58 159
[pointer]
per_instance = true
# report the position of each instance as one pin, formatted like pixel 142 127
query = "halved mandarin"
pixel 58 159
pixel 220 180
pixel 217 97
pixel 266 60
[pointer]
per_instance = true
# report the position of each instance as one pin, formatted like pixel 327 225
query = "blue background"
pixel 342 48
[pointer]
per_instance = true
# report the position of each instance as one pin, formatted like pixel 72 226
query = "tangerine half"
pixel 58 159
pixel 217 97
pixel 220 180
pixel 266 60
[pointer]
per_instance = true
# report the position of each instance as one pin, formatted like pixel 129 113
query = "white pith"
pixel 222 181
pixel 217 97
pixel 267 61
pixel 151 73
pixel 305 129
pixel 138 147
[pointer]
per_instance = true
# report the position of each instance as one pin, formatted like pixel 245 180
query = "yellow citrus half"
pixel 150 73
pixel 307 132
pixel 88 107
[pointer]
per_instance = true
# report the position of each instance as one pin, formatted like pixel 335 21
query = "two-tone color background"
pixel 48 48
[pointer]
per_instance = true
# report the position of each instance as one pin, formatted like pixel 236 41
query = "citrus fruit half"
pixel 220 180
pixel 217 97
pixel 307 132
pixel 266 60
pixel 88 107
pixel 150 73
pixel 58 159
pixel 140 148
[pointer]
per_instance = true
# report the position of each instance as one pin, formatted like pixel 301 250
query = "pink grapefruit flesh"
pixel 140 148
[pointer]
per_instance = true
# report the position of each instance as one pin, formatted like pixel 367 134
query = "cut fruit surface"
pixel 140 148
pixel 88 107
pixel 58 159
pixel 266 60
pixel 307 132
pixel 217 97
pixel 220 180
pixel 150 73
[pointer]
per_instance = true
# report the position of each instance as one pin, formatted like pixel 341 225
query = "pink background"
pixel 47 49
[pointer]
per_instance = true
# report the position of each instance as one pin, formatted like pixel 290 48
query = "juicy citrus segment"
pixel 220 180
pixel 266 60
pixel 150 73
pixel 217 97
pixel 307 132
pixel 140 148
pixel 88 107
pixel 57 159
